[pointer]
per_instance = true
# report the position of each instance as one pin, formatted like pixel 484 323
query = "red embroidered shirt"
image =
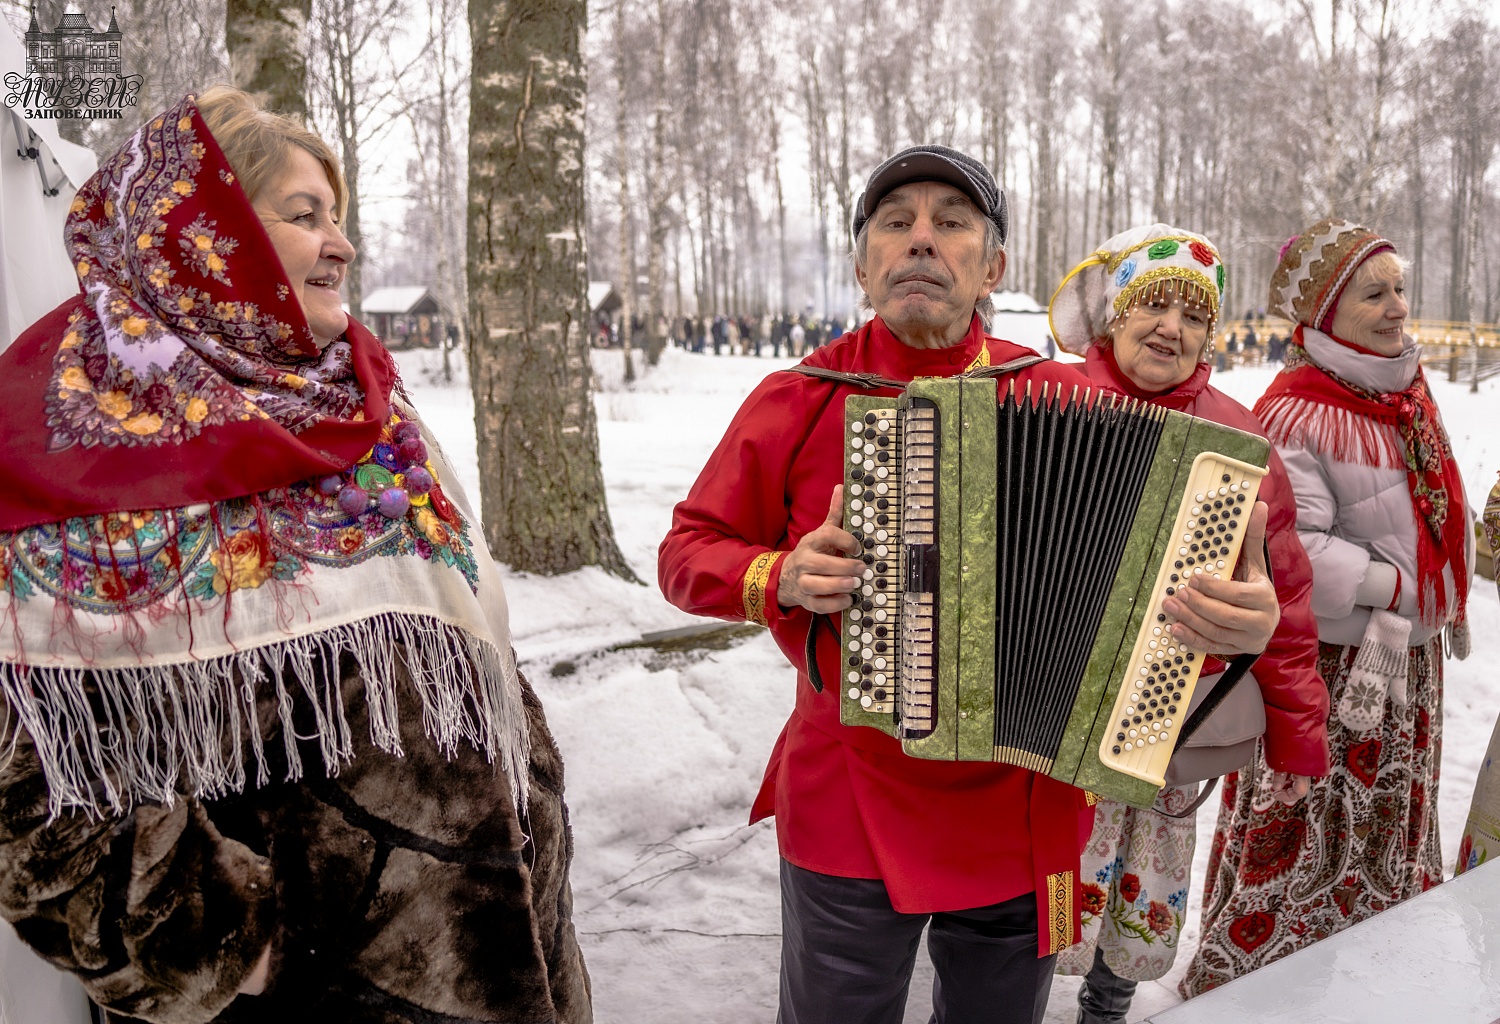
pixel 941 835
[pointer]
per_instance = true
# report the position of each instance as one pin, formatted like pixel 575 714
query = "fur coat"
pixel 397 890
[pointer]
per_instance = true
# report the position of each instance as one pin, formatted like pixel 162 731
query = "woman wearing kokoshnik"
pixel 1142 310
pixel 269 751
pixel 1381 511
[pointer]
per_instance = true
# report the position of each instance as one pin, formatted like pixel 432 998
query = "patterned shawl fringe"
pixel 150 734
pixel 1295 422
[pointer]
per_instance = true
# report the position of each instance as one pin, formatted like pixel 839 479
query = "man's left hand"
pixel 1234 616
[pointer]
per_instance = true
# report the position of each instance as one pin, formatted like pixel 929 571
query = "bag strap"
pixel 810 651
pixel 1198 801
pixel 1232 675
pixel 1236 671
pixel 867 381
pixel 1018 363
pixel 873 381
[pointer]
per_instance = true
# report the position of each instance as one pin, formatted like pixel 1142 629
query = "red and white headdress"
pixel 1316 266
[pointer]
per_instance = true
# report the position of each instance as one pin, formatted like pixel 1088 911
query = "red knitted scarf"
pixel 1307 405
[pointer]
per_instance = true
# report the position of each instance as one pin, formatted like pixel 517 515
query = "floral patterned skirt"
pixel 1365 838
pixel 1135 874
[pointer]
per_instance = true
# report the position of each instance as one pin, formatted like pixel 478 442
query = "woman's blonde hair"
pixel 1384 262
pixel 257 143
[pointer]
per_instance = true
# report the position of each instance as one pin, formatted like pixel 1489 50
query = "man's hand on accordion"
pixel 1234 616
pixel 817 575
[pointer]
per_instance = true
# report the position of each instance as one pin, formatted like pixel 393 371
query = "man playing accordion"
pixel 875 844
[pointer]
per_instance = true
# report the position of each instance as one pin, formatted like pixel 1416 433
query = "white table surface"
pixel 1434 959
pixel 32 991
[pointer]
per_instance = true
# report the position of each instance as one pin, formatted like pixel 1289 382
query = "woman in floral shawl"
pixel 1381 511
pixel 270 755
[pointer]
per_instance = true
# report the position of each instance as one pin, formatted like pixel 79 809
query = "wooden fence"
pixel 1447 346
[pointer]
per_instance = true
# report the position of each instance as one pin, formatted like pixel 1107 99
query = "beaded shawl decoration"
pixel 204 515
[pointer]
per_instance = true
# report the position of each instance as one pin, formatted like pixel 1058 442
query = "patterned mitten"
pixel 1459 645
pixel 1379 670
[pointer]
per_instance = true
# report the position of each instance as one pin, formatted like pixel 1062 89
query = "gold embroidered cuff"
pixel 757 577
pixel 1060 911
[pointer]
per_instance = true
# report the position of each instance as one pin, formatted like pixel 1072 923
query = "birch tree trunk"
pixel 627 236
pixel 543 492
pixel 656 198
pixel 344 36
pixel 1111 69
pixel 785 266
pixel 451 285
pixel 817 159
pixel 1471 244
pixel 841 183
pixel 267 43
pixel 438 175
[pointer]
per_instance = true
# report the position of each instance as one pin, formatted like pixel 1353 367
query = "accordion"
pixel 1017 553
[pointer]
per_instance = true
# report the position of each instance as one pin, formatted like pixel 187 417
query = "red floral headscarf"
pixel 186 371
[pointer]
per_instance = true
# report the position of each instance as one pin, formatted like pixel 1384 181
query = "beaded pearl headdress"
pixel 1132 267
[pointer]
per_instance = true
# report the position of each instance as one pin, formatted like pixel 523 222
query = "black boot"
pixel 1105 996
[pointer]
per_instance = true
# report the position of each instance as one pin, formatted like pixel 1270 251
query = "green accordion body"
pixel 1017 554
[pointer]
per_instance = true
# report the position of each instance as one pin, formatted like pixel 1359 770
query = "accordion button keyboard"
pixel 918 527
pixel 1151 735
pixel 874 461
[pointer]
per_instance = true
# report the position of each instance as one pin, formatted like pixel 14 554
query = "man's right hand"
pixel 817 574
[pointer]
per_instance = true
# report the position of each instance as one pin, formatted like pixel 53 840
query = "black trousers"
pixel 1104 997
pixel 847 956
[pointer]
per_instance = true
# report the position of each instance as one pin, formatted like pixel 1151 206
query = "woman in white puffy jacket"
pixel 1381 512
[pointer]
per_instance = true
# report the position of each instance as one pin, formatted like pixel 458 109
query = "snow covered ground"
pixel 676 898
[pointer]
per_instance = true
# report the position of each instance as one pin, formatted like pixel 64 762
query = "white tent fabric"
pixel 598 292
pixel 1015 302
pixel 35 275
pixel 397 301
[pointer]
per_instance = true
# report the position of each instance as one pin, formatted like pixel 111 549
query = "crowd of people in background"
pixel 787 335
pixel 743 335
pixel 1248 346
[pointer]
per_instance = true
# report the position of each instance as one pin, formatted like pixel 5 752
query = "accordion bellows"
pixel 1017 553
